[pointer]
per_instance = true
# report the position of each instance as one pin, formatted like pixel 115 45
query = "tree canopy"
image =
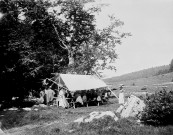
pixel 40 37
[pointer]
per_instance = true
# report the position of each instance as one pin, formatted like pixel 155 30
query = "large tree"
pixel 38 38
pixel 30 48
pixel 88 47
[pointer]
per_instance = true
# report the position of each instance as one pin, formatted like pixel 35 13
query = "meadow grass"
pixel 105 126
pixel 59 121
pixel 137 84
pixel 19 118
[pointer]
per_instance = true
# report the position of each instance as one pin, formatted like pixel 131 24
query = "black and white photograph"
pixel 86 67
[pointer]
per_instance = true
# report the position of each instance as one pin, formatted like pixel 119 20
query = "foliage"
pixel 166 70
pixel 40 37
pixel 26 51
pixel 162 71
pixel 159 109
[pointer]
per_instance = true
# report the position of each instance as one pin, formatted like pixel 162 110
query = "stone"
pixel 132 108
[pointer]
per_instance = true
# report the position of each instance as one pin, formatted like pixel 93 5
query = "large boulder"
pixel 132 108
pixel 96 115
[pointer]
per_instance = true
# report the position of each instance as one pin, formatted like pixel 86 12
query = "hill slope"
pixel 143 77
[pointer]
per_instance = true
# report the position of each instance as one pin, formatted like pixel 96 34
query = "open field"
pixel 24 122
pixel 152 83
pixel 58 121
pixel 142 81
pixel 146 73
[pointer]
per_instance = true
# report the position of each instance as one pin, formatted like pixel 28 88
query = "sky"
pixel 151 24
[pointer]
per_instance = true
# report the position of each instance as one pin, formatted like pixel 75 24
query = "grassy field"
pixel 152 83
pixel 145 73
pixel 48 119
pixel 59 121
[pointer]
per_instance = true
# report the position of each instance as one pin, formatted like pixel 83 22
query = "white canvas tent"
pixel 75 82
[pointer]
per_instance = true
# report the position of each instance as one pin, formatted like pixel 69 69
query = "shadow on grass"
pixel 19 118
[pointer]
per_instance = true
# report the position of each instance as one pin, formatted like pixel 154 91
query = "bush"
pixel 159 109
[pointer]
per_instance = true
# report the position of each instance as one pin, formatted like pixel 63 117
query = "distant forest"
pixel 154 71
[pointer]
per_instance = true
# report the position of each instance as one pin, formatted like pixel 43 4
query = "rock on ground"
pixel 132 107
pixel 96 115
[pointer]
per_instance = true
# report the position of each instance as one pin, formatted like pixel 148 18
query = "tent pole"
pixel 58 85
pixel 112 92
pixel 108 86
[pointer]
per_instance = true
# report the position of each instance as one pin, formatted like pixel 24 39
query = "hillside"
pixel 141 74
pixel 149 76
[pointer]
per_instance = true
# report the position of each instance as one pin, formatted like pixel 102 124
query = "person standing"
pixel 45 95
pixel 50 96
pixel 61 99
pixel 121 95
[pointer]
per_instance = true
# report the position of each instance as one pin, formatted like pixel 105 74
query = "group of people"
pixel 66 99
pixel 46 96
pixel 49 97
pixel 91 97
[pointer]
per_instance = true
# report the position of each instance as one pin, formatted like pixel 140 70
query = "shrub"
pixel 159 109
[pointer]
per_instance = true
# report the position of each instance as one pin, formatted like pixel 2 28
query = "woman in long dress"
pixel 62 100
pixel 121 95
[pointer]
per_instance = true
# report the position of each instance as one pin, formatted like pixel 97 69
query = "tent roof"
pixel 80 82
